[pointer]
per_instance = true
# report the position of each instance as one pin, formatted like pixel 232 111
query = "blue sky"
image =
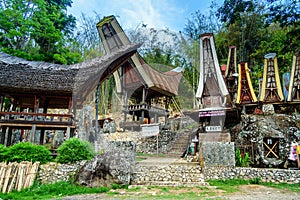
pixel 172 14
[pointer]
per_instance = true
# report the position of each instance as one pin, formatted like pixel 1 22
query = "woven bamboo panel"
pixel 16 176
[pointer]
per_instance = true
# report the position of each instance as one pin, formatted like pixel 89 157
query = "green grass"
pixel 49 191
pixel 150 155
pixel 63 188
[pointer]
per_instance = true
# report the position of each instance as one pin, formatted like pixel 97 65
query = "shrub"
pixel 242 160
pixel 3 154
pixel 26 151
pixel 73 150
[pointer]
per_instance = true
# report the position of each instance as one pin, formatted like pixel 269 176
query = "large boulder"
pixel 115 165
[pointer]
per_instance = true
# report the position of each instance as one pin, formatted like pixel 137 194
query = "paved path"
pixel 157 161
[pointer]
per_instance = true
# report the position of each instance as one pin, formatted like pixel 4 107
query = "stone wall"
pixel 219 154
pixel 265 174
pixel 177 175
pixel 53 172
pixel 171 175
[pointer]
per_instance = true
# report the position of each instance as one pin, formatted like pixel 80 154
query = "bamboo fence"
pixel 16 176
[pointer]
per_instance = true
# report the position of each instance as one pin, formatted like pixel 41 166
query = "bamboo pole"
pixel 2 173
pixel 7 177
pixel 14 172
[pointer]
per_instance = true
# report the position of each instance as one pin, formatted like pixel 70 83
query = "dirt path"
pixel 245 192
pixel 249 192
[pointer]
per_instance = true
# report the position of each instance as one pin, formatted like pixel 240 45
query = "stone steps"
pixel 171 175
pixel 171 183
pixel 179 146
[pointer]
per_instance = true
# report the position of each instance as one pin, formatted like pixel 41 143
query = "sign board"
pixel 213 128
pixel 211 113
pixel 149 130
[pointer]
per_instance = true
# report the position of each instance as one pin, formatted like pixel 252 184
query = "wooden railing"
pixel 150 108
pixel 25 117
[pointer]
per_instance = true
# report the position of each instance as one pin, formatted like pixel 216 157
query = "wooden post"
pixel 1 102
pixel 42 136
pixel 9 137
pixel 96 116
pixel 125 105
pixel 32 133
pixel 68 132
pixel 143 102
pixel 2 139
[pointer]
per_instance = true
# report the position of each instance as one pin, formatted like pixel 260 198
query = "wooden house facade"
pixel 141 86
pixel 39 96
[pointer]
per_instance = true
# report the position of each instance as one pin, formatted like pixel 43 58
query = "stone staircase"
pixel 189 175
pixel 180 145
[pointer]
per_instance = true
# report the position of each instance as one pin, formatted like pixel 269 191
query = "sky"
pixel 159 14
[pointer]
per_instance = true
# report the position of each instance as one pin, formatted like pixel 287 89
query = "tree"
pixel 287 15
pixel 230 11
pixel 200 23
pixel 87 37
pixel 37 30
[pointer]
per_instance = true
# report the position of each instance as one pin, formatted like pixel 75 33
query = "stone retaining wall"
pixel 265 174
pixel 171 175
pixel 180 174
pixel 53 172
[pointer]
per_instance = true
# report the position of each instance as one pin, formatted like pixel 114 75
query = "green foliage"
pixel 117 186
pixel 242 160
pixel 73 150
pixel 3 153
pixel 37 30
pixel 26 151
pixel 230 11
pixel 52 191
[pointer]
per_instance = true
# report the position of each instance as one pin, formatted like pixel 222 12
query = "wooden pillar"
pixel 125 105
pixel 144 95
pixel 68 132
pixel 72 132
pixel 42 136
pixel 9 137
pixel 70 105
pixel 143 102
pixel 155 118
pixel 2 139
pixel 32 133
pixel 167 103
pixel 1 102
pixel 33 127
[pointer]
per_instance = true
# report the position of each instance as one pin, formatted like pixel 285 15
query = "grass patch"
pixel 150 155
pixel 64 188
pixel 231 185
pixel 137 159
pixel 134 189
pixel 55 190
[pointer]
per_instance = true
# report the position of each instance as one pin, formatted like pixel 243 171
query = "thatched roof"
pixel 19 76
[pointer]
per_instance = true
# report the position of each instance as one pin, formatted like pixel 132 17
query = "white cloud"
pixel 131 13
